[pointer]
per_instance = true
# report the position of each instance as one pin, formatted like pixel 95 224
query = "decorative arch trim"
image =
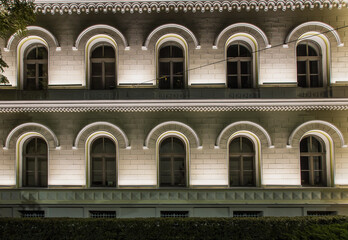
pixel 187 147
pixel 33 28
pixel 24 125
pixel 225 133
pixel 314 23
pixel 101 26
pixel 310 125
pixel 175 126
pixel 257 143
pixel 246 25
pixel 88 143
pixel 171 25
pixel 123 141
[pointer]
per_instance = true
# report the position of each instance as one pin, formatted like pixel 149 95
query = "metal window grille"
pixel 321 213
pixel 102 214
pixel 247 214
pixel 174 214
pixel 32 214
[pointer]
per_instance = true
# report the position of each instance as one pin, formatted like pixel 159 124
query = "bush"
pixel 176 228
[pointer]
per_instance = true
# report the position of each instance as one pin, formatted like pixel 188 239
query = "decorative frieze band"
pixel 191 196
pixel 107 6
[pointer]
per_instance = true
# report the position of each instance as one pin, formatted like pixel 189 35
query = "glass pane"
pixel 110 164
pixel 246 82
pixel 312 51
pixel 164 83
pixel 97 146
pixel 232 82
pixel 42 53
pixel 301 67
pixel 43 70
pixel 235 178
pixel 32 54
pixel 42 180
pixel 98 52
pixel 232 51
pixel 110 83
pixel 109 52
pixel 248 163
pixel 316 145
pixel 235 164
pixel 178 68
pixel 232 67
pixel 96 69
pixel 304 178
pixel 304 145
pixel 315 81
pixel 109 145
pixel 97 178
pixel 301 81
pixel 30 146
pixel 243 51
pixel 235 145
pixel 178 146
pixel 41 146
pixel 179 164
pixel 301 50
pixel 165 52
pixel 164 69
pixel 247 145
pixel 318 178
pixel 166 146
pixel 317 163
pixel 165 164
pixel 109 69
pixel 97 164
pixel 97 83
pixel 30 164
pixel 30 179
pixel 177 52
pixel 245 67
pixel 178 83
pixel 248 178
pixel 42 165
pixel 31 70
pixel 314 67
pixel 179 179
pixel 304 163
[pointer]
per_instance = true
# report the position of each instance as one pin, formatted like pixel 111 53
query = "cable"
pixel 229 58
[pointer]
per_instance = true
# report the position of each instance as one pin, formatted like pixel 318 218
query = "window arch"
pixel 309 66
pixel 36 68
pixel 172 162
pixel 35 163
pixel 239 65
pixel 171 66
pixel 242 169
pixel 313 161
pixel 103 162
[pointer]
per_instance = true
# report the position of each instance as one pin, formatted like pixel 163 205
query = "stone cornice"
pixel 149 6
pixel 173 105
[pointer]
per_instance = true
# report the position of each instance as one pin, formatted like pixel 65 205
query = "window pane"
pixel 304 178
pixel 235 164
pixel 109 146
pixel 232 82
pixel 109 69
pixel 232 51
pixel 235 145
pixel 245 67
pixel 97 164
pixel 30 146
pixel 42 165
pixel 97 146
pixel 32 54
pixel 243 51
pixel 247 145
pixel 109 52
pixel 301 67
pixel 165 52
pixel 177 52
pixel 178 146
pixel 301 50
pixel 96 69
pixel 98 52
pixel 165 164
pixel 232 67
pixel 110 83
pixel 235 178
pixel 42 53
pixel 312 51
pixel 248 178
pixel 246 82
pixel 178 68
pixel 304 163
pixel 316 145
pixel 31 70
pixel 304 145
pixel 30 180
pixel 317 163
pixel 301 81
pixel 42 70
pixel 248 163
pixel 315 81
pixel 314 67
pixel 166 146
pixel 164 69
pixel 30 164
pixel 179 164
pixel 178 83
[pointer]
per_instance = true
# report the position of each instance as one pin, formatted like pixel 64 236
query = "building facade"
pixel 176 108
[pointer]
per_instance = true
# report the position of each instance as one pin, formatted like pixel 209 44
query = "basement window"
pixel 247 214
pixel 102 214
pixel 321 213
pixel 174 214
pixel 32 214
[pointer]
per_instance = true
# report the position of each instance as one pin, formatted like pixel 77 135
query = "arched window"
pixel 103 163
pixel 239 66
pixel 36 68
pixel 34 163
pixel 242 163
pixel 313 163
pixel 308 65
pixel 171 67
pixel 103 67
pixel 172 163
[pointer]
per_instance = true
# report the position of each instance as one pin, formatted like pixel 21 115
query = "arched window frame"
pixel 88 147
pixel 257 151
pixel 23 46
pixel 186 142
pixel 19 156
pixel 329 157
pixel 93 43
pixel 323 46
pixel 251 43
pixel 166 40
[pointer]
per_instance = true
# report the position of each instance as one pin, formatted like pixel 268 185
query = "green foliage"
pixel 15 16
pixel 175 228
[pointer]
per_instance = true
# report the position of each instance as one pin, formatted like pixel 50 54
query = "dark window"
pixel 36 68
pixel 174 214
pixel 313 165
pixel 242 162
pixel 103 68
pixel 239 66
pixel 172 165
pixel 32 213
pixel 35 163
pixel 321 213
pixel 171 67
pixel 103 163
pixel 308 65
pixel 102 214
pixel 247 214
